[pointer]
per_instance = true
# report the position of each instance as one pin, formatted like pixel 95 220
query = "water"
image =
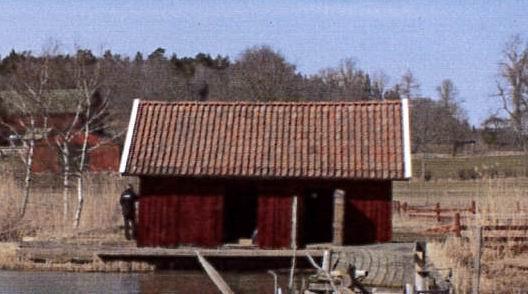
pixel 157 282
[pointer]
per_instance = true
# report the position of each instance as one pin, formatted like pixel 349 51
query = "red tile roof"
pixel 360 140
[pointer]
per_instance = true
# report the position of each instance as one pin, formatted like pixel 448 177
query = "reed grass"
pixel 505 266
pixel 44 216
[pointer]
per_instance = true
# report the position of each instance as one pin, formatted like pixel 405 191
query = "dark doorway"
pixel 240 213
pixel 318 216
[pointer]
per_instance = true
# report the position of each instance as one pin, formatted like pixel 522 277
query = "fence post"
pixel 437 209
pixel 404 207
pixel 457 227
pixel 473 208
pixel 398 207
pixel 478 252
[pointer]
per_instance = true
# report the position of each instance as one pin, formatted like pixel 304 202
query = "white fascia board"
pixel 407 166
pixel 128 139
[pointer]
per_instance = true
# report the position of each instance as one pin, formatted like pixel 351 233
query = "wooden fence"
pixel 435 211
pixel 480 226
pixel 496 229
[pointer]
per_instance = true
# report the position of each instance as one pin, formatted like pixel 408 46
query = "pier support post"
pixel 339 217
pixel 421 273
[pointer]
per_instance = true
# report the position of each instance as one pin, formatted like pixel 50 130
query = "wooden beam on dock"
pixel 191 252
pixel 214 275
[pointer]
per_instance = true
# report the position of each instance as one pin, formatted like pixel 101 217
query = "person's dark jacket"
pixel 127 201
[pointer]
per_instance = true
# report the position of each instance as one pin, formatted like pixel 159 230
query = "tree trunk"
pixel 65 182
pixel 82 163
pixel 80 182
pixel 80 201
pixel 28 177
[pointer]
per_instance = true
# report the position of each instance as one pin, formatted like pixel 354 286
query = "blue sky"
pixel 460 40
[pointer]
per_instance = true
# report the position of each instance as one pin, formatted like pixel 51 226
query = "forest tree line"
pixel 258 74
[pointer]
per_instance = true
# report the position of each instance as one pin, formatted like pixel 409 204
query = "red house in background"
pixel 215 172
pixel 46 156
pixel 105 157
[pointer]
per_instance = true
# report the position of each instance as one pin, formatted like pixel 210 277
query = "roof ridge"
pixel 275 103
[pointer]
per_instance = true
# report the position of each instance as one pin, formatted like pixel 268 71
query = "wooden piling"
pixel 421 273
pixel 327 260
pixel 339 217
pixel 476 263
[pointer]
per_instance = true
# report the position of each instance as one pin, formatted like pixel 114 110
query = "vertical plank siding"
pixel 274 221
pixel 368 213
pixel 172 213
pixel 176 211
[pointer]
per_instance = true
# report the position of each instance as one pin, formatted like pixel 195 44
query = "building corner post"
pixel 406 128
pixel 128 138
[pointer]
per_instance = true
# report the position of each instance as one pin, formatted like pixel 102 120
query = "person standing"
pixel 128 207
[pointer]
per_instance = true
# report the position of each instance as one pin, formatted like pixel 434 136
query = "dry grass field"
pixel 499 202
pixel 44 216
pixel 439 166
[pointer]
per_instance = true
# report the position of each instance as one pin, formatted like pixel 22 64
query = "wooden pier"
pixel 53 253
pixel 388 264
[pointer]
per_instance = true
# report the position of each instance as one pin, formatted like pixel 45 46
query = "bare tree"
pixel 448 93
pixel 433 124
pixel 261 74
pixel 63 141
pixel 93 108
pixel 380 80
pixel 497 132
pixel 512 88
pixel 90 102
pixel 28 98
pixel 346 81
pixel 409 87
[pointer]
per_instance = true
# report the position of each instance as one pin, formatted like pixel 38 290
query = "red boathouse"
pixel 213 173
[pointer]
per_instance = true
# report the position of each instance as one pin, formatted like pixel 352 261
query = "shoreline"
pixel 24 256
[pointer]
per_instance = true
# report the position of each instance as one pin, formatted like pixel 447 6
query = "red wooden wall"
pixel 174 211
pixel 368 212
pixel 193 217
pixel 188 219
pixel 274 221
